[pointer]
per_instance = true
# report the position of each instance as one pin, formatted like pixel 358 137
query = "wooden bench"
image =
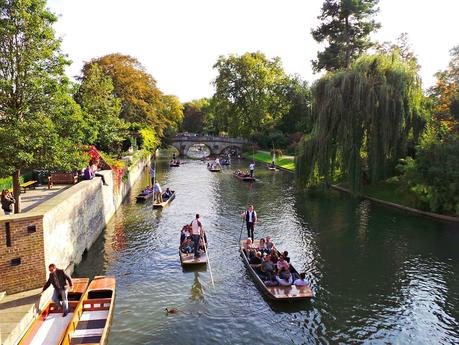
pixel 62 178
pixel 28 184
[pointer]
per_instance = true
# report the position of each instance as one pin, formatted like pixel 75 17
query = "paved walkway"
pixel 34 197
pixel 17 312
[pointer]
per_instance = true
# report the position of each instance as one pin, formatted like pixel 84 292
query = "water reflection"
pixel 379 275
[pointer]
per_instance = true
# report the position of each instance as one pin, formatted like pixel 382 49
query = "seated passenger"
pixel 147 190
pixel 301 281
pixel 287 279
pixel 262 246
pixel 185 234
pixel 255 261
pixel 267 267
pixel 286 257
pixel 272 281
pixel 167 194
pixel 274 258
pixel 269 244
pixel 187 246
pixel 248 244
pixel 282 264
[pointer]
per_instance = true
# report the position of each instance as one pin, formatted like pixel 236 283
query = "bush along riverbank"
pixel 387 193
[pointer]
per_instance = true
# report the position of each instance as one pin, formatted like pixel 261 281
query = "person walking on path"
pixel 196 233
pixel 250 217
pixel 7 201
pixel 158 193
pixel 58 278
pixel 252 168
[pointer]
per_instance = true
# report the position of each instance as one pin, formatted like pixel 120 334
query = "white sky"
pixel 178 41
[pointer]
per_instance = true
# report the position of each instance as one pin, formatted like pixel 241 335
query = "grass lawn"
pixel 286 162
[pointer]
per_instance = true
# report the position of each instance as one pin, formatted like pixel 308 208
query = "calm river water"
pixel 380 276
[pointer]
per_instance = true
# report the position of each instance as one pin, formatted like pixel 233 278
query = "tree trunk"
pixel 347 57
pixel 17 191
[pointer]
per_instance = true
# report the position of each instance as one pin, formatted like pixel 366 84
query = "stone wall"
pixel 65 226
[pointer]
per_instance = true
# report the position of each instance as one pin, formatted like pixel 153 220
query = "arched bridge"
pixel 216 144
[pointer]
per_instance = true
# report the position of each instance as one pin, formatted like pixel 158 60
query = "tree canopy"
pixel 249 93
pixel 39 121
pixel 364 117
pixel 346 26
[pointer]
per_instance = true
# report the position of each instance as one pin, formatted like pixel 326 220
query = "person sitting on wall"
pixel 95 168
pixel 88 173
pixel 58 278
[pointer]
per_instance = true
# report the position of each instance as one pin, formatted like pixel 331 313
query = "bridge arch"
pixel 216 144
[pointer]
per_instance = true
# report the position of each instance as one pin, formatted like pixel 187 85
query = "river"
pixel 380 276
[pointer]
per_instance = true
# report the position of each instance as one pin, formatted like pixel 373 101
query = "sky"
pixel 179 41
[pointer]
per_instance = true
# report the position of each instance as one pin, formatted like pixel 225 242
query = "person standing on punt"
pixel 58 279
pixel 158 193
pixel 250 218
pixel 251 168
pixel 196 232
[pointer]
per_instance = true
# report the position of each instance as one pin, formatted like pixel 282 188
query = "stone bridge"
pixel 216 144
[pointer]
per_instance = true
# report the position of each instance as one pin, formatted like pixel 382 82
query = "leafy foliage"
pixel 249 93
pixel 364 117
pixel 434 174
pixel 346 26
pixel 195 116
pixel 101 110
pixel 39 121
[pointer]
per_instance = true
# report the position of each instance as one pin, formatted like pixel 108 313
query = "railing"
pixel 207 139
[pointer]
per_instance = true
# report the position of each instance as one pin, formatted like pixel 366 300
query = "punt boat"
pixel 174 164
pixel 188 260
pixel 270 167
pixel 165 201
pixel 244 177
pixel 49 327
pixel 142 197
pixel 214 169
pixel 276 293
pixel 91 321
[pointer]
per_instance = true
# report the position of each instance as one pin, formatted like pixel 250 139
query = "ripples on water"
pixel 380 276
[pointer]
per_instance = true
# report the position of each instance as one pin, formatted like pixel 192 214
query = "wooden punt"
pixel 276 293
pixel 188 260
pixel 244 178
pixel 176 164
pixel 214 169
pixel 272 168
pixel 49 327
pixel 165 203
pixel 142 197
pixel 91 321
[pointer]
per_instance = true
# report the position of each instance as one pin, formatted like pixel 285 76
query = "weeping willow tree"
pixel 364 118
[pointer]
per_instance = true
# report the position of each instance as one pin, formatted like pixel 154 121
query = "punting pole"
pixel 208 260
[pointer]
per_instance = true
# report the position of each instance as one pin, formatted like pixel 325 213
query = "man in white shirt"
pixel 158 193
pixel 196 232
pixel 252 168
pixel 250 218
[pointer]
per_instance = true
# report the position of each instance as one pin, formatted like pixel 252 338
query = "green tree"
pixel 364 117
pixel 346 26
pixel 249 93
pixel 195 115
pixel 101 108
pixel 141 100
pixel 39 121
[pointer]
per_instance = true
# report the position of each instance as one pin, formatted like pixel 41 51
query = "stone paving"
pixel 34 197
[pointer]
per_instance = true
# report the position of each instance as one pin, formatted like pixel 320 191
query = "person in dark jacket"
pixel 58 279
pixel 7 201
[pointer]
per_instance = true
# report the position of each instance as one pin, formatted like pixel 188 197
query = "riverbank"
pixel 59 230
pixel 284 162
pixel 385 193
